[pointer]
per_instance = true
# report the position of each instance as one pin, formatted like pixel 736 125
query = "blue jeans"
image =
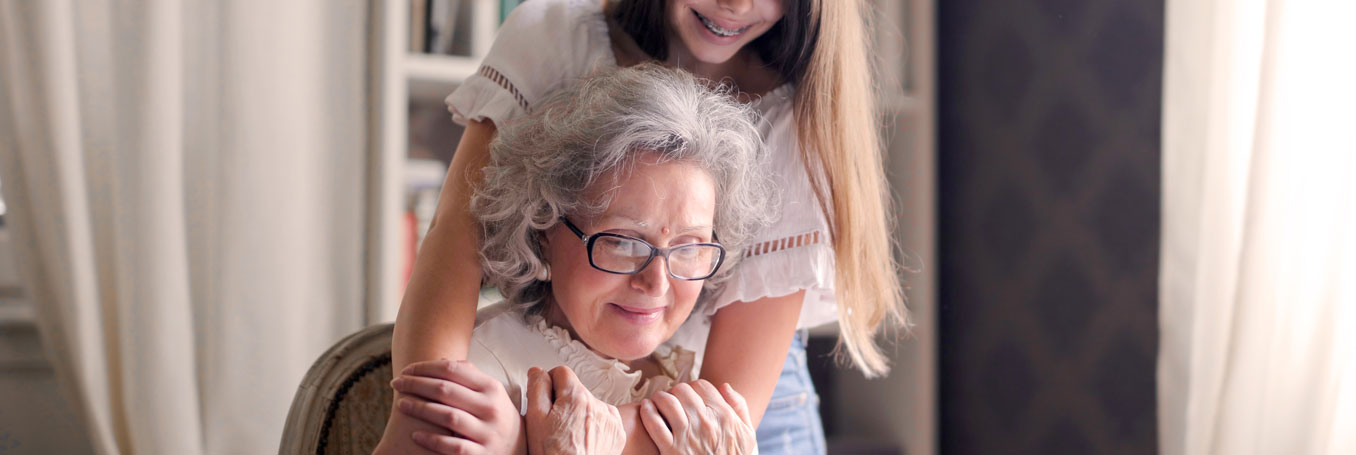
pixel 791 424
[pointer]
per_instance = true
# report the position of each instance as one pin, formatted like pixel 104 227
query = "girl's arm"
pixel 748 345
pixel 438 311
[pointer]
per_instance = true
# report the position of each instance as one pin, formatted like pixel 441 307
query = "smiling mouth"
pixel 718 30
pixel 639 315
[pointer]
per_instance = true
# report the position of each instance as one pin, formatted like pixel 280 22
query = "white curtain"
pixel 1258 276
pixel 185 185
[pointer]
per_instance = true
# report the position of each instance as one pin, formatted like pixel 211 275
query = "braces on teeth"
pixel 717 29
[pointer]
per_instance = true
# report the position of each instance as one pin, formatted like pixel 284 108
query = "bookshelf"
pixel 404 81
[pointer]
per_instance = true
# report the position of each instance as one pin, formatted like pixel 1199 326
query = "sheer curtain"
pixel 1258 277
pixel 185 181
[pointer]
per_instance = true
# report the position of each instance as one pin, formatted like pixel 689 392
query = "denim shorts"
pixel 791 424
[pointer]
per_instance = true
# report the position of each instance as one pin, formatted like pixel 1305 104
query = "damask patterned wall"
pixel 1049 217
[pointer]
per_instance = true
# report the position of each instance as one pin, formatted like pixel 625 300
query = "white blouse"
pixel 545 44
pixel 507 344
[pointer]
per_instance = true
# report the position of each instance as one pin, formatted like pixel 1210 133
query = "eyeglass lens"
pixel 624 255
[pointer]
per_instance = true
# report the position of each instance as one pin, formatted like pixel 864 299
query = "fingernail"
pixel 420 436
pixel 405 405
pixel 646 403
pixel 396 383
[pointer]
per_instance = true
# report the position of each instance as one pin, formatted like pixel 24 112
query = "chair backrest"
pixel 343 401
pixel 342 404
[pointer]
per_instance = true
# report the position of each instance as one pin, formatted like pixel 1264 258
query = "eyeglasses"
pixel 626 255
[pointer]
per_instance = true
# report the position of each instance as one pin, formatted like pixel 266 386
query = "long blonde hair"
pixel 840 144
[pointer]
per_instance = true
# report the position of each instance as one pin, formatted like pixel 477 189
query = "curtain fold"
pixel 185 181
pixel 1258 274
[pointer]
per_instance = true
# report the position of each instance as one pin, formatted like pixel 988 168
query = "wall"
pixel 1048 225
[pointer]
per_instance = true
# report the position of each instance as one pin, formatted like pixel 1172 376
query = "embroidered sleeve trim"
pixel 784 243
pixel 494 75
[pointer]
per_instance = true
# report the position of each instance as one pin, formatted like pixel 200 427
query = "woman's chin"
pixel 630 350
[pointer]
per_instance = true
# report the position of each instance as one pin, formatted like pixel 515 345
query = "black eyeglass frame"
pixel 654 251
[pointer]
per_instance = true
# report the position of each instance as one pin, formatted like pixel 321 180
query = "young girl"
pixel 804 66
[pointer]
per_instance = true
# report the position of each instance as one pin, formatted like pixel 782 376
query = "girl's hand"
pixel 457 396
pixel 700 420
pixel 574 422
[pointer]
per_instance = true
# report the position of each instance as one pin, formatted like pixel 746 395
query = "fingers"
pixel 446 392
pixel 446 445
pixel 456 420
pixel 539 386
pixel 672 410
pixel 692 403
pixel 710 395
pixel 702 417
pixel 737 402
pixel 655 426
pixel 459 371
pixel 564 382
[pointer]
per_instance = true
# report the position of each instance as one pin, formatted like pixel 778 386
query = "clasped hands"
pixel 563 417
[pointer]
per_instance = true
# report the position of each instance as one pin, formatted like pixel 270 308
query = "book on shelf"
pixel 418 25
pixel 442 25
pixel 506 7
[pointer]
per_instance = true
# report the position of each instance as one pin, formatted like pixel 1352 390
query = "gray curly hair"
pixel 542 164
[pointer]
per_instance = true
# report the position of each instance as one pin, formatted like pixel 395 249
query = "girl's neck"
pixel 745 70
pixel 680 57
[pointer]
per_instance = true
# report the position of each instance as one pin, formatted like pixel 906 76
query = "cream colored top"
pixel 506 345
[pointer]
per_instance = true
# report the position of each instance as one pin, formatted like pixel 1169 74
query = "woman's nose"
pixel 653 280
pixel 736 6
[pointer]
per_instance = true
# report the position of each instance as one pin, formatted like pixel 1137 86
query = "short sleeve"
pixel 794 253
pixel 542 45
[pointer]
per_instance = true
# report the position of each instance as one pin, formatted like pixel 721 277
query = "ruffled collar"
pixel 611 380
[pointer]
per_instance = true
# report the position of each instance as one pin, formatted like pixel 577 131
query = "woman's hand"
pixel 457 396
pixel 700 420
pixel 574 422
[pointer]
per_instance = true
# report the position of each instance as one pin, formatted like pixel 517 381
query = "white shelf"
pixel 433 76
pixel 17 315
pixel 405 77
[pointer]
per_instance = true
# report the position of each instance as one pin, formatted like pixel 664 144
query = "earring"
pixel 544 273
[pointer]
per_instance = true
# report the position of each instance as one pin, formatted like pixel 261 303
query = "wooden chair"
pixel 342 404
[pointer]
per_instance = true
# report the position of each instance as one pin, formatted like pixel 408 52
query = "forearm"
pixel 748 345
pixel 437 313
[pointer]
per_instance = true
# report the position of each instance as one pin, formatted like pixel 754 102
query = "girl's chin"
pixel 712 55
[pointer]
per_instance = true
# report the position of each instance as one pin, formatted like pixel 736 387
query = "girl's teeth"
pixel 717 29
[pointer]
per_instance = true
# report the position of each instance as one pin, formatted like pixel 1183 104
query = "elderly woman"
pixel 605 214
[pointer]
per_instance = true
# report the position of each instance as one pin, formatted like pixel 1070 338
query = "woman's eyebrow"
pixel 646 224
pixel 695 228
